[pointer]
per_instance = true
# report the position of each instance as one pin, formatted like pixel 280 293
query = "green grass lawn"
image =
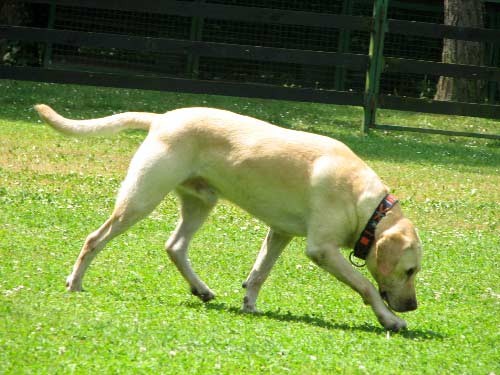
pixel 137 316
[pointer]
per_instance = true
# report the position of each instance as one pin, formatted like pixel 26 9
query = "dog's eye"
pixel 410 271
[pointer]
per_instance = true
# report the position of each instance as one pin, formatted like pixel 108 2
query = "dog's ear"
pixel 388 250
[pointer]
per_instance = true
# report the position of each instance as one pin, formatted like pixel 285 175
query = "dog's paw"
pixel 205 296
pixel 393 323
pixel 250 310
pixel 73 285
pixel 249 307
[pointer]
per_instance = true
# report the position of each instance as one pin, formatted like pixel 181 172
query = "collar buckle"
pixel 353 262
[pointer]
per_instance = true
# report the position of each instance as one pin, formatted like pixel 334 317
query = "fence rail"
pixel 226 12
pixel 450 70
pixel 211 49
pixel 442 31
pixel 373 64
pixel 181 85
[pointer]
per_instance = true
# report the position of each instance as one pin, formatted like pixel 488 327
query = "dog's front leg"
pixel 272 247
pixel 328 257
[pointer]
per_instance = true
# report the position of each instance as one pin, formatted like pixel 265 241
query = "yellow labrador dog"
pixel 299 184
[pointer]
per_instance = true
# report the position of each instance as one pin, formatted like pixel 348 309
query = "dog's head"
pixel 394 261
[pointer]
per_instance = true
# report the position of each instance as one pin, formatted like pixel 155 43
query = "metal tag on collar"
pixel 351 259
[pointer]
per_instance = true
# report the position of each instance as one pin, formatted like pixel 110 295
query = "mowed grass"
pixel 137 315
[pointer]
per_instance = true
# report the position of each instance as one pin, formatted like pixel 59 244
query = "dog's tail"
pixel 99 126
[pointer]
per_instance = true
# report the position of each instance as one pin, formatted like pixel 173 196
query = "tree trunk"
pixel 464 13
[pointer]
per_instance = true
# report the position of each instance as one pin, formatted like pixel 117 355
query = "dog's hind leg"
pixel 196 204
pixel 272 247
pixel 150 177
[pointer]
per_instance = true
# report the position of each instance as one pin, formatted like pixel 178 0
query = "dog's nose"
pixel 411 304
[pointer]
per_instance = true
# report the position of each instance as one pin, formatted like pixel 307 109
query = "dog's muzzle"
pixel 408 305
pixel 411 305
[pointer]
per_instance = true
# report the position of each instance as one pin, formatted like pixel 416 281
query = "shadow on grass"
pixel 415 334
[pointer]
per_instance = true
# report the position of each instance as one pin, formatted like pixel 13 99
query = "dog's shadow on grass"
pixel 414 334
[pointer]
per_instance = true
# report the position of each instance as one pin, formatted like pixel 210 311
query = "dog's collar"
pixel 367 237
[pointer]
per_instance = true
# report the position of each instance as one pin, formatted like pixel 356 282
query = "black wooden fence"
pixel 193 49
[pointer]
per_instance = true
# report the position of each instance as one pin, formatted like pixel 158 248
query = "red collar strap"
pixel 367 237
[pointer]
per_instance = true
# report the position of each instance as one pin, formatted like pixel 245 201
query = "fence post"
pixel 195 34
pixel 343 47
pixel 47 56
pixel 376 67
